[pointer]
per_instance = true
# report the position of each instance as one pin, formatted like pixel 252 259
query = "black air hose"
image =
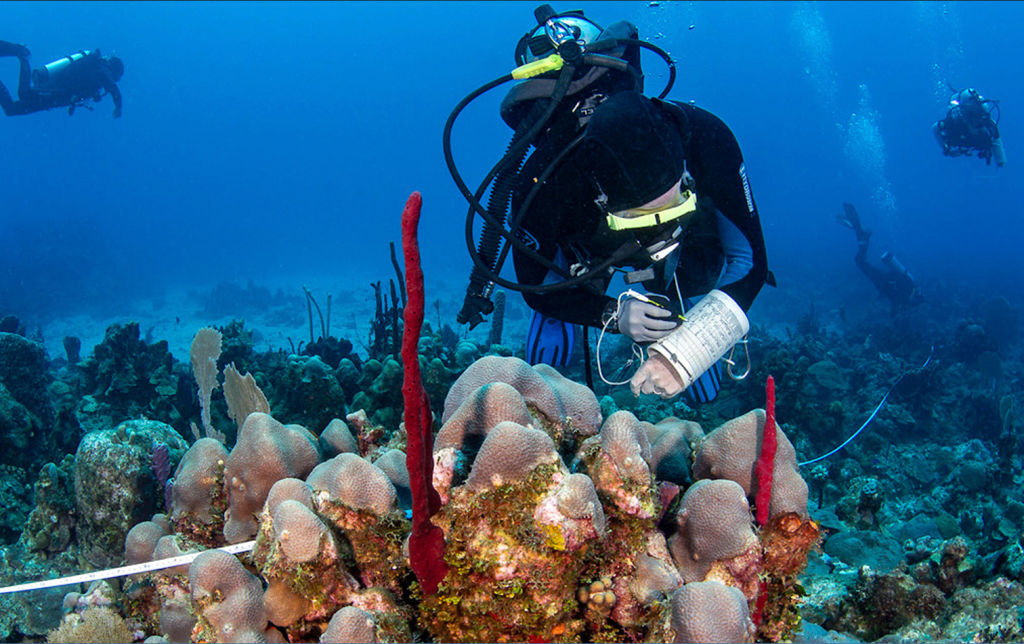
pixel 498 205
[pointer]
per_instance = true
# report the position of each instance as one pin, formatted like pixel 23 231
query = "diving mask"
pixel 647 217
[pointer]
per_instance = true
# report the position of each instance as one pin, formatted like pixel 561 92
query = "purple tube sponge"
pixel 162 470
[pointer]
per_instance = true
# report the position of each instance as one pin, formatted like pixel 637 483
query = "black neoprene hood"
pixel 633 151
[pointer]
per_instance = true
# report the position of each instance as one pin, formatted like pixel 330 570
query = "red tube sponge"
pixel 426 543
pixel 766 461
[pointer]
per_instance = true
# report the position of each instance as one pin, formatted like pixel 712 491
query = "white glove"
pixel 656 376
pixel 645 322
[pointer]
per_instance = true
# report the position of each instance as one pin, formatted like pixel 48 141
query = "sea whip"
pixel 426 543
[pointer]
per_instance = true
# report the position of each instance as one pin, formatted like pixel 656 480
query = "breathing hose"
pixel 487 262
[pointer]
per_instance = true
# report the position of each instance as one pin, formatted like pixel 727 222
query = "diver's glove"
pixel 675 362
pixel 641 320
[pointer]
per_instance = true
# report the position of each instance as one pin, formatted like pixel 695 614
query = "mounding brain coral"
pixel 199 500
pixel 550 517
pixel 266 452
pixel 565 408
pixel 537 392
pixel 350 624
pixel 228 599
pixel 508 455
pixel 715 536
pixel 730 451
pixel 460 438
pixel 708 611
pixel 357 497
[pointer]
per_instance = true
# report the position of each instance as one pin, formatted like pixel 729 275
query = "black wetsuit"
pixel 897 286
pixel 967 128
pixel 87 79
pixel 723 245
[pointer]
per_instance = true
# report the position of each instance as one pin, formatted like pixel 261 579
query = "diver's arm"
pixel 575 305
pixel 938 129
pixel 115 94
pixel 24 78
pixel 998 153
pixel 739 256
pixel 720 174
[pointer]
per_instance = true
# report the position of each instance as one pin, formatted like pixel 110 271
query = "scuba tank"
pixel 59 70
pixel 998 153
pixel 895 264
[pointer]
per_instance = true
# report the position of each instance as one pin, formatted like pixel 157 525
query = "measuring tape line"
pixel 148 566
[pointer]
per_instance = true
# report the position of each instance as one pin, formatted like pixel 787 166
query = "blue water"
pixel 278 142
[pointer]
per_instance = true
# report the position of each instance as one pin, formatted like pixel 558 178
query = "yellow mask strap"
pixel 618 222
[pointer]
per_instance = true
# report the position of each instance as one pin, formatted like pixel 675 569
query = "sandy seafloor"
pixel 179 312
pixel 175 313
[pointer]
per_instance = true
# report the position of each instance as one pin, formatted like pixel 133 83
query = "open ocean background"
pixel 275 144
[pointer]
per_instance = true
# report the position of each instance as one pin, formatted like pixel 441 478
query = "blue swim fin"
pixel 549 341
pixel 705 389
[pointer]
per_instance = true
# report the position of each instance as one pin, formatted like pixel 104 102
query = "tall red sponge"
pixel 426 543
pixel 766 461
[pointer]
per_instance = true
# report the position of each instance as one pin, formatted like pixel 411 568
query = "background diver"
pixel 618 182
pixel 895 283
pixel 71 81
pixel 971 127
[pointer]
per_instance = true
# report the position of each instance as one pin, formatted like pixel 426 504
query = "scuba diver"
pixel 71 81
pixel 970 128
pixel 617 183
pixel 894 283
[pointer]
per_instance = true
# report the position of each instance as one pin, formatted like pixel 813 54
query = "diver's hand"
pixel 645 322
pixel 117 112
pixel 656 376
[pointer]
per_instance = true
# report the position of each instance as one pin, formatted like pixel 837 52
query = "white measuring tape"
pixel 148 566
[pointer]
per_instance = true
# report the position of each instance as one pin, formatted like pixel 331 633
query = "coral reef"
pixel 126 377
pixel 30 425
pixel 550 525
pixel 528 508
pixel 115 487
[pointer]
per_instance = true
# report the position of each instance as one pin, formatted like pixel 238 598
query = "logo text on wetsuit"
pixel 746 189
